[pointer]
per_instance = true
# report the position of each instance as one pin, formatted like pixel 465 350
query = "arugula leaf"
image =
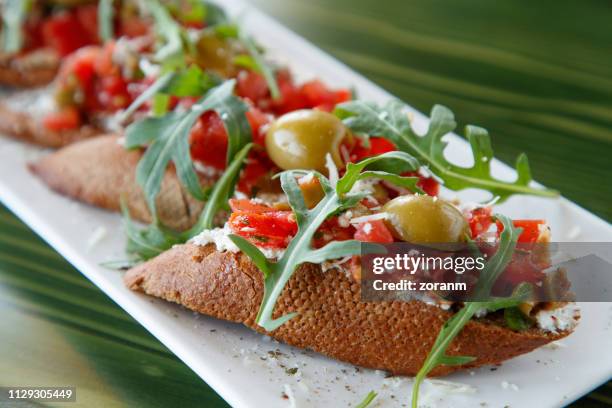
pixel 181 83
pixel 192 81
pixel 367 400
pixel 492 270
pixel 106 13
pixel 155 239
pixel 392 122
pixel 354 170
pixel 516 320
pixel 221 193
pixel 277 274
pixel 171 53
pixel 149 242
pixel 14 13
pixel 159 85
pixel 214 15
pixel 167 139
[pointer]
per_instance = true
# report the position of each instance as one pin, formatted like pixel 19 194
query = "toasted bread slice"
pixel 34 68
pixel 99 171
pixel 331 319
pixel 22 113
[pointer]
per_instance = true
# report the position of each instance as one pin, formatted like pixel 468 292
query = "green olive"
pixel 216 53
pixel 302 139
pixel 425 219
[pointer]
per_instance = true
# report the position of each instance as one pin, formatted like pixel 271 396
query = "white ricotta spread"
pixel 220 238
pixel 559 319
pixel 37 102
pixel 217 236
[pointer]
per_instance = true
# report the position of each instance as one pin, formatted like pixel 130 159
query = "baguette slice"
pixel 22 113
pixel 99 171
pixel 34 68
pixel 332 319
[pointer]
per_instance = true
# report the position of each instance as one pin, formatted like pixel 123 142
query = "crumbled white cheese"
pixel 344 219
pixel 364 186
pixel 332 170
pixel 370 217
pixel 220 238
pixel 272 253
pixel 559 319
pixel 306 179
pixel 240 195
pixel 205 170
pixel 149 69
pixel 217 236
pixel 37 102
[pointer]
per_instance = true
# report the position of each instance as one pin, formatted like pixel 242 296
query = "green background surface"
pixel 538 75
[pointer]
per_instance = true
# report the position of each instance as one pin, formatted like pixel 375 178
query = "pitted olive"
pixel 303 138
pixel 425 219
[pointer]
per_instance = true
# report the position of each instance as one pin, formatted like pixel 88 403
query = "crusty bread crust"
pixel 29 128
pixel 35 68
pixel 99 171
pixel 332 319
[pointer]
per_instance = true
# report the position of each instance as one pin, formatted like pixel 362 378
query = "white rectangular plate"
pixel 236 362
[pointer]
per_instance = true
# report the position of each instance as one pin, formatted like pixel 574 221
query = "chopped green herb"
pixel 167 139
pixel 367 400
pixel 171 52
pixel 493 268
pixel 337 198
pixel 106 13
pixel 155 239
pixel 14 13
pixel 516 320
pixel 392 122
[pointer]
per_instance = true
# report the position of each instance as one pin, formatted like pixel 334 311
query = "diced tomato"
pixel 256 169
pixel 252 86
pixel 87 16
pixel 290 96
pixel 64 33
pixel 331 230
pixel 317 95
pixel 373 231
pixel 246 205
pixel 312 94
pixel 480 220
pixel 82 64
pixel 208 140
pixel 33 35
pixel 270 229
pixel 113 93
pixel 104 64
pixel 428 184
pixel 378 146
pixel 531 229
pixel 66 119
pixel 257 119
